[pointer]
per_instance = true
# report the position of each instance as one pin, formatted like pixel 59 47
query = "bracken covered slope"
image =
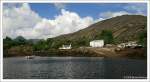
pixel 124 28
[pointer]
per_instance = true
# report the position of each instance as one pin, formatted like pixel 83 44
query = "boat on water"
pixel 30 57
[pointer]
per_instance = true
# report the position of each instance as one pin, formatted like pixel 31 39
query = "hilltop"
pixel 124 28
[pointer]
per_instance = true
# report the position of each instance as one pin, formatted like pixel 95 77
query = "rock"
pixel 118 49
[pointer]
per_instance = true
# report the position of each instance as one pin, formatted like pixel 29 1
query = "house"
pixel 122 45
pixel 130 44
pixel 97 43
pixel 65 47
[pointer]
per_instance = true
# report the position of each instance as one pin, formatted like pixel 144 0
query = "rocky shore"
pixel 111 52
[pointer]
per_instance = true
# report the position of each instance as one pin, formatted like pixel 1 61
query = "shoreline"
pixel 105 52
pixel 71 57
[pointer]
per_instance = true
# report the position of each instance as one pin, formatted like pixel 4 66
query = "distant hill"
pixel 34 41
pixel 124 28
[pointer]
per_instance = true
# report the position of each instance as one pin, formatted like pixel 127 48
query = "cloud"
pixel 8 5
pixel 110 14
pixel 99 19
pixel 60 5
pixel 27 23
pixel 135 8
pixel 138 8
pixel 66 22
pixel 19 20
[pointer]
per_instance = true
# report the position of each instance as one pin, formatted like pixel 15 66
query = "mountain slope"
pixel 124 28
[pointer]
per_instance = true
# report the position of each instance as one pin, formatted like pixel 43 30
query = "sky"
pixel 47 20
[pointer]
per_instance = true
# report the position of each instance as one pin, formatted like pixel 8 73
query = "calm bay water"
pixel 73 68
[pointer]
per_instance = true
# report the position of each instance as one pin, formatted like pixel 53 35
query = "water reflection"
pixel 72 68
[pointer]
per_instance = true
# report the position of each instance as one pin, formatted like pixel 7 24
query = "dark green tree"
pixel 107 36
pixel 20 40
pixel 8 43
pixel 82 42
pixel 57 43
pixel 143 41
pixel 143 38
pixel 41 45
pixel 49 42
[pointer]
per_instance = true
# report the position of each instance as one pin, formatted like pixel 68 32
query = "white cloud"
pixel 66 22
pixel 60 5
pixel 109 14
pixel 99 19
pixel 137 8
pixel 19 20
pixel 25 22
pixel 8 5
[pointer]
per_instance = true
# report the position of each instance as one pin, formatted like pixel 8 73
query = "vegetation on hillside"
pixel 51 43
pixel 143 41
pixel 107 36
pixel 143 38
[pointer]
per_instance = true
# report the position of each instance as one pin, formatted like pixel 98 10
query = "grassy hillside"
pixel 124 28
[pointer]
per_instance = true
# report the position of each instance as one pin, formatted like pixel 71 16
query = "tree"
pixel 143 38
pixel 57 43
pixel 143 41
pixel 49 42
pixel 20 40
pixel 41 45
pixel 7 43
pixel 107 36
pixel 82 42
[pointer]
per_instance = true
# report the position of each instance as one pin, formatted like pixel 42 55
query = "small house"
pixel 122 45
pixel 97 43
pixel 65 47
pixel 130 44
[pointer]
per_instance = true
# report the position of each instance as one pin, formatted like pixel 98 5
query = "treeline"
pixel 8 42
pixel 52 43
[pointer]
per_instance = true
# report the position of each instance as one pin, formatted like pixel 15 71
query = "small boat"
pixel 29 57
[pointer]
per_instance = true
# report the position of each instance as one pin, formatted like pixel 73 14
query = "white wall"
pixel 97 43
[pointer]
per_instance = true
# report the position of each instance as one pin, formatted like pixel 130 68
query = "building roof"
pixel 97 40
pixel 67 45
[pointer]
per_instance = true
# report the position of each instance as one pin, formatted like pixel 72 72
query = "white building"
pixel 130 44
pixel 65 47
pixel 97 43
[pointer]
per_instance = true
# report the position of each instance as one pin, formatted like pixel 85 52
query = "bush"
pixel 143 38
pixel 8 43
pixel 107 36
pixel 41 45
pixel 20 40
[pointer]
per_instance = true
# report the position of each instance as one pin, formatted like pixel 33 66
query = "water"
pixel 73 68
